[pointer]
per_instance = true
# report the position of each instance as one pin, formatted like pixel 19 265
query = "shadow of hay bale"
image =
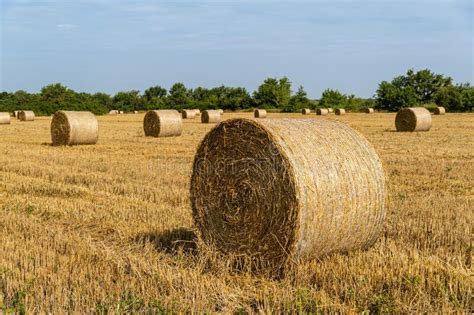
pixel 171 241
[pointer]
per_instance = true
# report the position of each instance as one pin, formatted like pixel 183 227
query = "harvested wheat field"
pixel 109 227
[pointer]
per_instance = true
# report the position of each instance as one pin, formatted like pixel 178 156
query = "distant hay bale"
pixel 198 112
pixel 113 112
pixel 221 111
pixel 340 111
pixel 439 110
pixel 188 113
pixel 5 119
pixel 330 110
pixel 259 113
pixel 120 112
pixel 322 111
pixel 15 113
pixel 73 128
pixel 257 191
pixel 369 110
pixel 306 111
pixel 26 115
pixel 413 119
pixel 162 123
pixel 210 116
pixel 135 111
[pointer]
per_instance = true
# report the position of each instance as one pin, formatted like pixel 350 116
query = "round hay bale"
pixel 330 110
pixel 15 113
pixel 210 116
pixel 306 111
pixel 26 115
pixel 221 111
pixel 72 128
pixel 322 111
pixel 257 191
pixel 113 112
pixel 413 119
pixel 135 111
pixel 162 123
pixel 198 112
pixel 369 110
pixel 340 111
pixel 188 114
pixel 121 112
pixel 439 110
pixel 259 113
pixel 5 118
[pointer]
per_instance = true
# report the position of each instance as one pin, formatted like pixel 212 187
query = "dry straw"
pixel 26 115
pixel 439 111
pixel 210 116
pixel 369 110
pixel 188 113
pixel 306 111
pixel 279 190
pixel 72 128
pixel 259 113
pixel 340 111
pixel 322 111
pixel 330 110
pixel 5 118
pixel 413 119
pixel 163 123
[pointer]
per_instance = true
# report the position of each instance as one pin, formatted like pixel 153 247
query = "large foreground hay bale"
pixel 413 119
pixel 5 118
pixel 330 110
pixel 340 111
pixel 369 110
pixel 257 191
pixel 259 113
pixel 439 110
pixel 26 115
pixel 322 111
pixel 71 128
pixel 210 116
pixel 188 113
pixel 306 111
pixel 163 123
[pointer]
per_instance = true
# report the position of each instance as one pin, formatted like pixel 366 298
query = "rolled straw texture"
pixel 210 116
pixel 322 111
pixel 439 111
pixel 188 114
pixel 163 123
pixel 306 111
pixel 26 115
pixel 72 128
pixel 5 118
pixel 259 113
pixel 413 119
pixel 280 190
pixel 340 111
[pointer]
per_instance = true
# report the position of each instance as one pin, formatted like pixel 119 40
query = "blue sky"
pixel 123 45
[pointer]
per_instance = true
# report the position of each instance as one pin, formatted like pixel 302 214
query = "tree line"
pixel 422 88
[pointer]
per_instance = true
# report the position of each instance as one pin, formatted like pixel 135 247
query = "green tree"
pixel 128 101
pixel 179 96
pixel 298 101
pixel 332 98
pixel 273 93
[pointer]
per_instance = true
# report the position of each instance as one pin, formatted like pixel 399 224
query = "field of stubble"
pixel 108 228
